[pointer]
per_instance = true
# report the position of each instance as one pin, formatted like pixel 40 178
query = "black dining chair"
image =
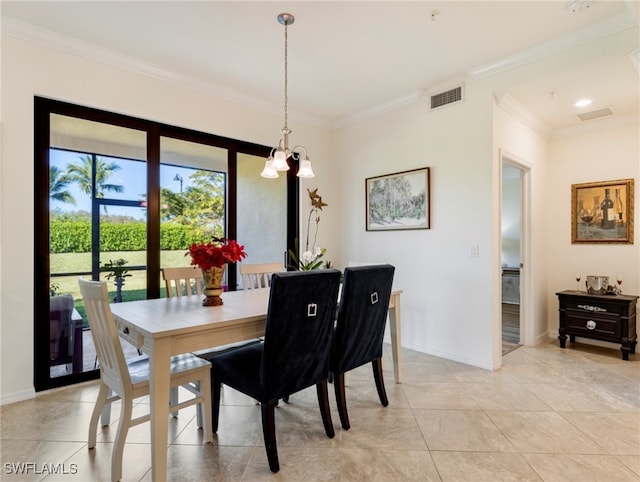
pixel 359 331
pixel 294 354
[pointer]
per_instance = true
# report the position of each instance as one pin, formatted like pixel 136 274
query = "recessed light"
pixel 583 103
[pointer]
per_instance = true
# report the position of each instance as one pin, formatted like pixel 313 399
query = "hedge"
pixel 75 236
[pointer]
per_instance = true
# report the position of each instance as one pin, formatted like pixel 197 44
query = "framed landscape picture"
pixel 602 212
pixel 398 201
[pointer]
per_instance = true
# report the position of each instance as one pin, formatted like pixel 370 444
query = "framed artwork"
pixel 398 201
pixel 602 212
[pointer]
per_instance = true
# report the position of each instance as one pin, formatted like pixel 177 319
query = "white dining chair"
pixel 184 278
pixel 124 381
pixel 258 275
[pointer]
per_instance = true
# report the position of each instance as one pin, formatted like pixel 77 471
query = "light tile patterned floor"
pixel 548 414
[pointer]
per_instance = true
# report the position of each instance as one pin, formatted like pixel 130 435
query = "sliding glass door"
pixel 119 198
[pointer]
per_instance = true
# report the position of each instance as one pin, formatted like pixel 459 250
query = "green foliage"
pixel 81 173
pixel 70 236
pixel 201 205
pixel 178 236
pixel 309 260
pixel 115 269
pixel 58 183
pixel 123 237
pixel 54 289
pixel 74 236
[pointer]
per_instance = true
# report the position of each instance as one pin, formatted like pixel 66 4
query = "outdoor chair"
pixel 65 334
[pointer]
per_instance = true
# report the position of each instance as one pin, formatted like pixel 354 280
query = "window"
pixel 112 191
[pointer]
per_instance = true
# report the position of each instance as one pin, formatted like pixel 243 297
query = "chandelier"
pixel 277 160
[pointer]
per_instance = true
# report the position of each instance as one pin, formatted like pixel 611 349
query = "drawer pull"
pixel 597 309
pixel 591 325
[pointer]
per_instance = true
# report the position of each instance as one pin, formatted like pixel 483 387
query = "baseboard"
pixel 449 356
pixel 18 396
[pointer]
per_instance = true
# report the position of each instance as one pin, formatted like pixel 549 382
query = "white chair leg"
pixel 174 399
pixel 97 409
pixel 121 436
pixel 105 417
pixel 199 407
pixel 205 407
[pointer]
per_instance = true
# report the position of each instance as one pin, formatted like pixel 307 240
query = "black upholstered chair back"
pixel 299 324
pixel 362 316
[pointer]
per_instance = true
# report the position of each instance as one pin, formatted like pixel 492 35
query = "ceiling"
pixel 347 60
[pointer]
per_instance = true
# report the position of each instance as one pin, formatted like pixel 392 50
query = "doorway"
pixel 512 253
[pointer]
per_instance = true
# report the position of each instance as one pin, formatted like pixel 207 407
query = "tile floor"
pixel 548 414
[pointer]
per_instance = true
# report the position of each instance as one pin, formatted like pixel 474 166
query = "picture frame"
pixel 602 212
pixel 398 201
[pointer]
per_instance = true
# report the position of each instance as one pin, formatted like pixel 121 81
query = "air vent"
pixel 447 97
pixel 596 114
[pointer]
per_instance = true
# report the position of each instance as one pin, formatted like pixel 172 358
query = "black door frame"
pixel 43 108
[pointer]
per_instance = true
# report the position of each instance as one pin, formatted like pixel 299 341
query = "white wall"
pixel 523 145
pixel 604 155
pixel 446 301
pixel 29 70
pixel 451 302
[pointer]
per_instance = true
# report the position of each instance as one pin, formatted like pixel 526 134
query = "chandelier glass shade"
pixel 278 159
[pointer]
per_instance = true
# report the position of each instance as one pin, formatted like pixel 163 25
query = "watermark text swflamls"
pixel 25 468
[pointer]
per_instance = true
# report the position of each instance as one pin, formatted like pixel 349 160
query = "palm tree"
pixel 58 182
pixel 81 173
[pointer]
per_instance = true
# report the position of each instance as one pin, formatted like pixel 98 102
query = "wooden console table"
pixel 601 317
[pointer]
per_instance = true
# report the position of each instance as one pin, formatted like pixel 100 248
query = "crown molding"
pixel 69 45
pixel 610 26
pixel 378 110
pixel 513 106
pixel 46 38
pixel 596 125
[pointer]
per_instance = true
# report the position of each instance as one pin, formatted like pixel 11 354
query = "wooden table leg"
pixel 395 328
pixel 159 393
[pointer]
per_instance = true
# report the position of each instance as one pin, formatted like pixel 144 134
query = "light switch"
pixel 474 251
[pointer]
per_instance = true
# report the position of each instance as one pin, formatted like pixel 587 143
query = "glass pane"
pixel 86 152
pixel 123 252
pixel 262 213
pixel 193 188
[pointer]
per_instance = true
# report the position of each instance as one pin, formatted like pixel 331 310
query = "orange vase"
pixel 212 286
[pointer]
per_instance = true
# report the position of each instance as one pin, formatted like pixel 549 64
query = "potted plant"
pixel 118 272
pixel 311 257
pixel 211 257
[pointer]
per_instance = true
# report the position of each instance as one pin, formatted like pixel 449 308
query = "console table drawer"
pixel 600 327
pixel 597 307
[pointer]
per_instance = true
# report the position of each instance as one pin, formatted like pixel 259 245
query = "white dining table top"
pixel 164 317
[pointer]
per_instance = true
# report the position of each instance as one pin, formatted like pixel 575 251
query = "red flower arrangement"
pixel 218 252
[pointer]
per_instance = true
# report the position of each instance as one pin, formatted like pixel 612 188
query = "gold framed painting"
pixel 602 212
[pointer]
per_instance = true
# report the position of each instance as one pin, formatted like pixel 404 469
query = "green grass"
pixel 135 286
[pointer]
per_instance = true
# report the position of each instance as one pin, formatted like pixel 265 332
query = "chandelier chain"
pixel 286 75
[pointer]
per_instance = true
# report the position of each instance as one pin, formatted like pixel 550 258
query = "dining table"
pixel 165 327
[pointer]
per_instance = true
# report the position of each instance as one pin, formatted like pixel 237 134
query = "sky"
pixel 132 176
